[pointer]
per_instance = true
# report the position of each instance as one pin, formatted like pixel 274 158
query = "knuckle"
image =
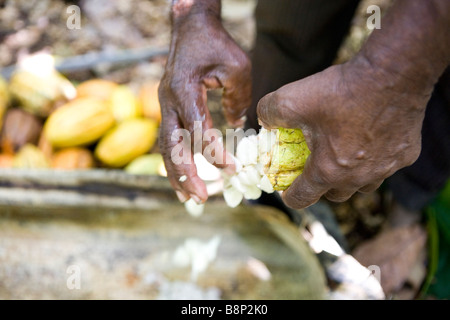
pixel 174 85
pixel 362 178
pixel 172 81
pixel 275 98
pixel 340 195
pixel 328 174
pixel 241 59
pixel 337 197
pixel 371 187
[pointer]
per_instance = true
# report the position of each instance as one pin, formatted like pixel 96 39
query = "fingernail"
pixel 196 199
pixel 181 196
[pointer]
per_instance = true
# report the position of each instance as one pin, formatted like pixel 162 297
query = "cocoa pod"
pixel 73 158
pixel 19 128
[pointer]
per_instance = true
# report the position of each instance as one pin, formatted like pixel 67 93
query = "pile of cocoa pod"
pixel 47 121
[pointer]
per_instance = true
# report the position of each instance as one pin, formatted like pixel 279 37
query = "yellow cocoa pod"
pixel 148 97
pixel 79 122
pixel 30 157
pixel 152 164
pixel 45 146
pixel 38 95
pixel 6 160
pixel 4 99
pixel 73 158
pixel 98 88
pixel 4 93
pixel 124 104
pixel 124 143
pixel 287 158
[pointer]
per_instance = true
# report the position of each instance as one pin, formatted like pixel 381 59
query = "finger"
pixel 179 161
pixel 290 105
pixel 206 139
pixel 235 102
pixel 237 91
pixel 215 152
pixel 371 187
pixel 272 113
pixel 306 189
pixel 337 195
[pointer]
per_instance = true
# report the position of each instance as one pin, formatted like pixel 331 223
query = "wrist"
pixel 373 76
pixel 412 47
pixel 182 9
pixel 396 73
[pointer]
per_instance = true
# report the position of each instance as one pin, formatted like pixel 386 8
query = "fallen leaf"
pixel 395 252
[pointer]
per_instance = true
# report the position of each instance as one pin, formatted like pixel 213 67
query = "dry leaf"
pixel 395 251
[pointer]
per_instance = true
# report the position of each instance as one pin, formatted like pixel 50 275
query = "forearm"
pixel 413 44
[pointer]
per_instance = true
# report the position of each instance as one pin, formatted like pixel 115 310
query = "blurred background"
pixel 85 209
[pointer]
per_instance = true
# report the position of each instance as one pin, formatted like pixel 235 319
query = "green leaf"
pixel 438 281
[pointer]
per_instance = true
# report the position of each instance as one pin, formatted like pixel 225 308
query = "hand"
pixel 202 56
pixel 360 122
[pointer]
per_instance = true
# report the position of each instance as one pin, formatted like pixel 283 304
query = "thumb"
pixel 290 105
pixel 308 188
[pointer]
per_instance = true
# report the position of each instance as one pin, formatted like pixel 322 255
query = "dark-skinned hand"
pixel 362 120
pixel 202 56
pixel 359 131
